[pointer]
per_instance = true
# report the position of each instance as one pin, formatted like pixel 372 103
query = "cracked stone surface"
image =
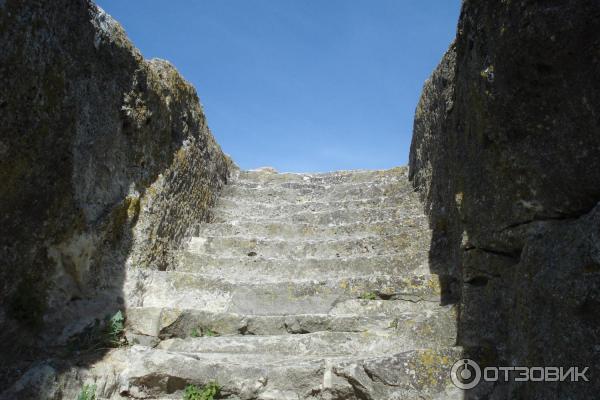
pixel 106 159
pixel 303 286
pixel 506 157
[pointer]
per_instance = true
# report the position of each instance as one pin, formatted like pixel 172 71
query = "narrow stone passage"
pixel 303 286
pixel 138 262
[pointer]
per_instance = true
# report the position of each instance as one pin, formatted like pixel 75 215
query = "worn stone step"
pixel 279 299
pixel 330 178
pixel 285 230
pixel 303 248
pixel 205 292
pixel 412 261
pixel 406 195
pixel 316 186
pixel 292 212
pixel 141 372
pixel 324 344
pixel 415 374
pixel 249 208
pixel 321 193
pixel 422 322
pixel 149 323
pixel 328 217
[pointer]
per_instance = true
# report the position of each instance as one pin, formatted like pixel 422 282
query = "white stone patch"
pixel 105 27
pixel 197 244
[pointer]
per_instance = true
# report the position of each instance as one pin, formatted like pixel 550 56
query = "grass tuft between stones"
pixel 109 333
pixel 88 392
pixel 198 332
pixel 368 296
pixel 208 392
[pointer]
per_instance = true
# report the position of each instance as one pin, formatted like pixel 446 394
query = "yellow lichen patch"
pixel 133 208
pixel 426 330
pixel 122 217
pixel 125 213
pixel 181 156
pixel 431 368
pixel 151 191
pixel 434 285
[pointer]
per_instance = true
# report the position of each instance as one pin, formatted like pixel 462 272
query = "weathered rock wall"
pixel 105 162
pixel 506 155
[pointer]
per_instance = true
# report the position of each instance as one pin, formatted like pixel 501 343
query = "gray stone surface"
pixel 105 161
pixel 506 154
pixel 296 312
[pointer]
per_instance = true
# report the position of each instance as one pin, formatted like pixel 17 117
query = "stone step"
pixel 146 324
pixel 305 286
pixel 314 185
pixel 320 193
pixel 229 204
pixel 412 261
pixel 398 197
pixel 329 178
pixel 420 322
pixel 323 179
pixel 141 372
pixel 285 212
pixel 232 246
pixel 324 344
pixel 327 217
pixel 205 292
pixel 286 230
pixel 415 374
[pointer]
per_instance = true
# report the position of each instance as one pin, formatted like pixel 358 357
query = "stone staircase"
pixel 303 286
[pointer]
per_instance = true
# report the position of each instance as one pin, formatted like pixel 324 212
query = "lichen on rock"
pixel 106 161
pixel 505 155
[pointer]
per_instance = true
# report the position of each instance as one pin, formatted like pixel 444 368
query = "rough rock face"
pixel 506 155
pixel 302 286
pixel 105 160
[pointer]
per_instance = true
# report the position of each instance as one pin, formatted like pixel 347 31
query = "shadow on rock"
pixel 106 161
pixel 505 154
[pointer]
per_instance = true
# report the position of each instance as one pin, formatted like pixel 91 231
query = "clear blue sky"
pixel 300 85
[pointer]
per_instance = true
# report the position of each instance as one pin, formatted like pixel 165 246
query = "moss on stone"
pixel 123 216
